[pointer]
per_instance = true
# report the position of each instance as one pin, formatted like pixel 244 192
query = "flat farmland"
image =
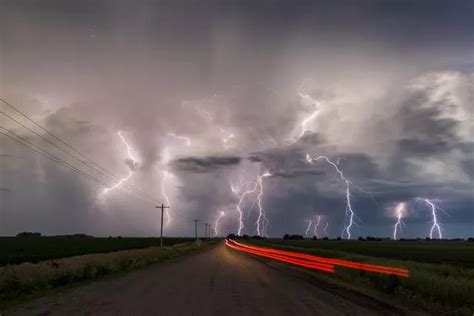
pixel 456 253
pixel 16 250
pixel 441 273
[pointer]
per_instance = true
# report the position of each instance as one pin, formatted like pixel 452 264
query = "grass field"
pixel 441 278
pixel 15 250
pixel 458 253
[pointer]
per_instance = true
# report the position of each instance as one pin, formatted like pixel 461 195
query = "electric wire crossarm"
pixel 162 207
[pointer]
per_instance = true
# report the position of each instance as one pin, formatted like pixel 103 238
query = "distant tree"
pixel 325 238
pixel 338 238
pixel 315 238
pixel 361 238
pixel 293 237
pixel 231 236
pixel 286 236
pixel 29 235
pixel 470 239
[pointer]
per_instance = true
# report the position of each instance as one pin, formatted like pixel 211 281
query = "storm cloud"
pixel 209 96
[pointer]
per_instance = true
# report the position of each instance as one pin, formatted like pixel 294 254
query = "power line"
pixel 75 158
pixel 56 159
pixel 99 168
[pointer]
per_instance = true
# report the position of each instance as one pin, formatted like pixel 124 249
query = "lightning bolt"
pixel 318 220
pixel 130 169
pixel 226 138
pixel 308 101
pixel 400 210
pixel 165 177
pixel 435 227
pixel 216 224
pixel 240 205
pixel 262 220
pixel 187 140
pixel 310 222
pixel 349 222
pixel 326 229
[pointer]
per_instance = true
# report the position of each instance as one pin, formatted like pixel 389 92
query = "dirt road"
pixel 215 282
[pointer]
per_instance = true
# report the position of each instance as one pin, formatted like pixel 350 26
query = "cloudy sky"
pixel 220 108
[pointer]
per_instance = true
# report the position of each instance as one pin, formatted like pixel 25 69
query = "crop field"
pixel 441 277
pixel 16 250
pixel 457 253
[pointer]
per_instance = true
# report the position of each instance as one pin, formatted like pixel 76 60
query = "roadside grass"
pixel 16 250
pixel 435 288
pixel 26 280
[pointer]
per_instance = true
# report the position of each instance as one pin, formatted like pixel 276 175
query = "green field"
pixel 441 278
pixel 457 253
pixel 16 250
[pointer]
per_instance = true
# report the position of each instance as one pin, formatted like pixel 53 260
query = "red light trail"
pixel 302 263
pixel 303 260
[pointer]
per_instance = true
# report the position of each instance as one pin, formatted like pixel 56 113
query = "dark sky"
pixel 211 95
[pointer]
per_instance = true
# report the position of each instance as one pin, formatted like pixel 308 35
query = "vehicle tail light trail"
pixel 302 263
pixel 331 261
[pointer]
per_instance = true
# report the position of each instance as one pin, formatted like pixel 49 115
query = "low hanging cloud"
pixel 204 164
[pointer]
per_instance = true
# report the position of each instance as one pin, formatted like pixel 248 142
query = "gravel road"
pixel 218 281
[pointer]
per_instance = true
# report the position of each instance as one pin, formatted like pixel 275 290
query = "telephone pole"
pixel 162 211
pixel 205 230
pixel 196 228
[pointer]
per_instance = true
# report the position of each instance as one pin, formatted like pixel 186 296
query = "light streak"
pixel 239 205
pixel 166 175
pixel 262 220
pixel 349 221
pixel 435 227
pixel 318 220
pixel 400 210
pixel 308 259
pixel 184 138
pixel 326 229
pixel 130 168
pixel 307 100
pixel 310 222
pixel 301 263
pixel 216 224
pixel 129 149
pixel 227 138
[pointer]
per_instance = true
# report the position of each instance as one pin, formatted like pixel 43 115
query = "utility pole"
pixel 162 211
pixel 205 230
pixel 210 231
pixel 196 228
